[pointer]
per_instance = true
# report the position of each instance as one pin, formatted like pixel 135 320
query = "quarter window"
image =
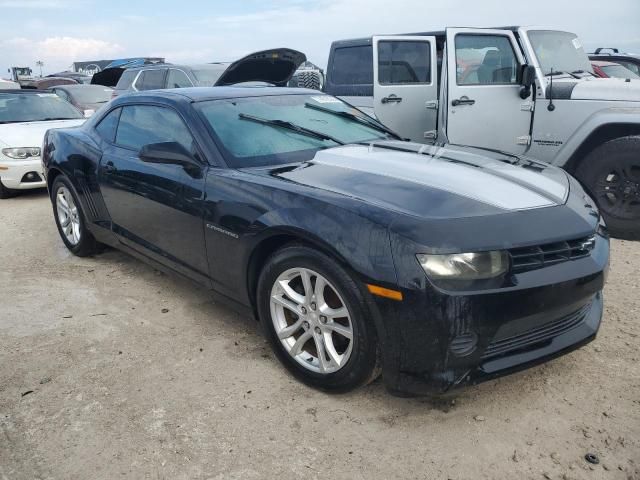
pixel 402 62
pixel 178 79
pixel 151 80
pixel 352 66
pixel 485 60
pixel 141 125
pixel 108 125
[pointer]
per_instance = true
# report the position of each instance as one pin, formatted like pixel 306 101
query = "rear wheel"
pixel 6 192
pixel 611 173
pixel 315 319
pixel 70 219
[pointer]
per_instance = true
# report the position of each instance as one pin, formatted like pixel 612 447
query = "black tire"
pixel 362 365
pixel 611 175
pixel 87 245
pixel 6 192
pixel 307 79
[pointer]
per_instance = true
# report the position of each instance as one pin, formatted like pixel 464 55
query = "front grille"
pixel 537 335
pixel 539 256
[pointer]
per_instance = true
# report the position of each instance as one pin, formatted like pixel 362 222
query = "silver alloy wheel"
pixel 311 320
pixel 68 215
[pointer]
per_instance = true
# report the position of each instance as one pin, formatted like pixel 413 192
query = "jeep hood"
pixel 607 89
pixel 275 66
pixel 433 182
pixel 31 134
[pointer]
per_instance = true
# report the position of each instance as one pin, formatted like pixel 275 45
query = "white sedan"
pixel 25 116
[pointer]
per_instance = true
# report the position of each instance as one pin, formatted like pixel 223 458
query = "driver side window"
pixel 142 125
pixel 485 60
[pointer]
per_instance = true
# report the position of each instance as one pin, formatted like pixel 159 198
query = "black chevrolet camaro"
pixel 438 266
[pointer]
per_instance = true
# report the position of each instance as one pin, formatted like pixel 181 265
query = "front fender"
pixel 588 130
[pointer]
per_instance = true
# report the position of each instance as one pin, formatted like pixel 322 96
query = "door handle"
pixel 462 101
pixel 392 99
pixel 110 168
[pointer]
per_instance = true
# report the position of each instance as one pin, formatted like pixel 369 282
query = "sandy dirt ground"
pixel 110 370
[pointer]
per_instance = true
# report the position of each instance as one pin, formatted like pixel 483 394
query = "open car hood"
pixel 108 77
pixel 275 66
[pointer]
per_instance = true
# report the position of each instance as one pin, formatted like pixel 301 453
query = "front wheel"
pixel 6 192
pixel 315 318
pixel 611 174
pixel 70 219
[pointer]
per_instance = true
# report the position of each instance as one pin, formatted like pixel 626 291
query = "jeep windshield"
pixel 261 131
pixel 35 107
pixel 559 51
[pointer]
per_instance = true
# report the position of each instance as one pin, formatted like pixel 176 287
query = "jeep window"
pixel 178 79
pixel 272 145
pixel 35 107
pixel 352 66
pixel 560 51
pixel 485 60
pixel 403 62
pixel 151 79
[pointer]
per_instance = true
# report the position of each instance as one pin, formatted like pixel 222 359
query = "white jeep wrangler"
pixel 520 90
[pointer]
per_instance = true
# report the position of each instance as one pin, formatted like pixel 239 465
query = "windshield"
pixel 247 143
pixel 91 94
pixel 560 51
pixel 35 107
pixel 618 71
pixel 207 75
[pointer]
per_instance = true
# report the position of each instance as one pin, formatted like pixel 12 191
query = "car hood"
pixel 275 66
pixel 31 134
pixel 608 89
pixel 433 182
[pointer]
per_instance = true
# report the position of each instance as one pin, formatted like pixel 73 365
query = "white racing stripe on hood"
pixel 477 183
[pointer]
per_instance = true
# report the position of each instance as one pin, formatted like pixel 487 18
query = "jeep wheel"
pixel 611 173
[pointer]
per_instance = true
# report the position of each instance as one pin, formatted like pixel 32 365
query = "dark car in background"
pixel 440 266
pixel 275 67
pixel 627 60
pixel 48 82
pixel 84 97
pixel 78 77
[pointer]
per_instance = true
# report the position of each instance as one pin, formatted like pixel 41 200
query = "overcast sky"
pixel 59 32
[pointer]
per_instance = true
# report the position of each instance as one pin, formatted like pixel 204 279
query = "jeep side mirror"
pixel 527 79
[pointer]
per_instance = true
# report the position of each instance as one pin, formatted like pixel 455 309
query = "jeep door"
pixel 405 85
pixel 484 108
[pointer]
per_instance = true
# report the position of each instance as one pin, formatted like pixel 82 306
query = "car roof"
pixel 199 94
pixel 158 66
pixel 79 86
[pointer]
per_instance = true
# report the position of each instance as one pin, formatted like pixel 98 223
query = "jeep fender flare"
pixel 598 128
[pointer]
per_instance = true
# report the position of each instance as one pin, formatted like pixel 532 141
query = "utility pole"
pixel 40 64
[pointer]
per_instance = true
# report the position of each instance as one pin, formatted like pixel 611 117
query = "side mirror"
pixel 169 153
pixel 527 79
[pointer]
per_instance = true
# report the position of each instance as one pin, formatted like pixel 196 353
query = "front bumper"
pixel 22 174
pixel 436 341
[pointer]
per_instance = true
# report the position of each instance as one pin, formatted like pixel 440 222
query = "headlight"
pixel 21 153
pixel 465 266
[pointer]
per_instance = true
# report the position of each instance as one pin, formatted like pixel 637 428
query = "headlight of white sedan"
pixel 21 153
pixel 464 270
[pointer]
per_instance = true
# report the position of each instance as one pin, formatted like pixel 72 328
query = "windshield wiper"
pixel 49 119
pixel 355 118
pixel 556 72
pixel 291 126
pixel 584 71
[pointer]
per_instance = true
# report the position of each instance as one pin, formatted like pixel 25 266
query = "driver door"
pixel 484 108
pixel 405 85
